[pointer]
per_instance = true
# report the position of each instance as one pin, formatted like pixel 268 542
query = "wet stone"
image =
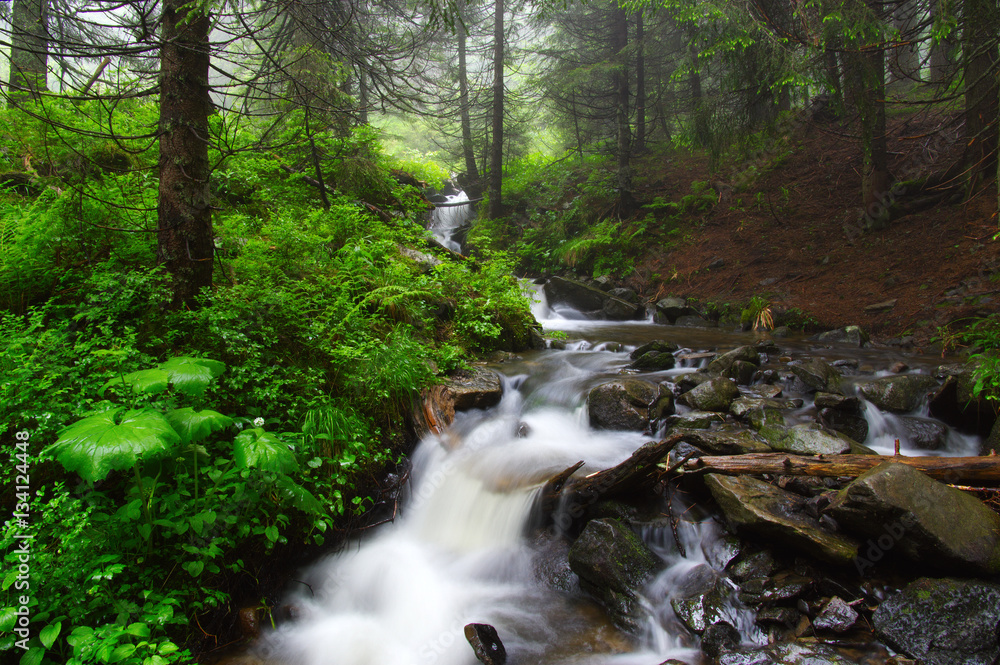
pixel 899 394
pixel 836 615
pixel 743 405
pixel 818 375
pixel 785 616
pixel 694 419
pixel 658 345
pixel 924 433
pixel 719 638
pixel 751 565
pixel 714 395
pixel 703 599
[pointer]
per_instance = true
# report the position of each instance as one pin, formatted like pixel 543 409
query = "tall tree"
pixel 29 46
pixel 980 31
pixel 184 214
pixel 468 150
pixel 496 148
pixel 619 83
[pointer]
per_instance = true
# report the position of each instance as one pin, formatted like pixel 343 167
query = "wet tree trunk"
pixel 29 46
pixel 619 80
pixel 184 224
pixel 942 64
pixel 471 172
pixel 982 25
pixel 496 150
pixel 701 131
pixel 640 84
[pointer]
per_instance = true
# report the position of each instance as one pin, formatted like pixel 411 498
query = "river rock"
pixel 991 444
pixel 670 309
pixel 757 508
pixel 721 365
pixel 714 395
pixel 586 298
pixel 853 426
pixel 703 598
pixel 727 440
pixel 694 420
pixel 955 403
pixel 806 439
pixel 479 388
pixel 903 510
pixel 786 653
pixel 742 406
pixel 852 335
pixel 486 643
pixel 653 361
pixel 818 375
pixel 658 345
pixel 847 404
pixel 836 615
pixel 612 564
pixel 924 433
pixel 719 638
pixel 899 394
pixel 943 621
pixel 628 404
pixel 625 294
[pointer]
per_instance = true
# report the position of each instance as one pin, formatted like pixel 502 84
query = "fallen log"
pixel 946 469
pixel 565 500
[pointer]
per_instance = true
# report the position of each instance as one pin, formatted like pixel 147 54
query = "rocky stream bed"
pixel 706 520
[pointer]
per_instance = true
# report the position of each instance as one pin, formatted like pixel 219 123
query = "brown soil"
pixel 783 236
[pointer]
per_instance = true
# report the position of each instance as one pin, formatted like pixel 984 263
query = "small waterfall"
pixel 447 221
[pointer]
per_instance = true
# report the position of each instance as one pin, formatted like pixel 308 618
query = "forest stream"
pixel 464 551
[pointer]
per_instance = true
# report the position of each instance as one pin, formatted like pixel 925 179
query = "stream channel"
pixel 461 550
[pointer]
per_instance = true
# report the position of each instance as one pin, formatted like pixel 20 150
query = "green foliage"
pixel 981 339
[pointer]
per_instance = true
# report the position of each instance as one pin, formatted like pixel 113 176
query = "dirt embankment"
pixel 791 235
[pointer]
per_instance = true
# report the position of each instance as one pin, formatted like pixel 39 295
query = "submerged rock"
pixel 754 507
pixel 903 510
pixel 628 404
pixel 899 394
pixel 704 598
pixel 587 298
pixel 943 621
pixel 714 395
pixel 612 564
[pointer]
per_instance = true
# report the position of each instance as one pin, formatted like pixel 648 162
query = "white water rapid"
pixel 447 220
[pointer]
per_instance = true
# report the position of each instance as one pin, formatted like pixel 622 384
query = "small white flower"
pixel 239 425
pixel 258 422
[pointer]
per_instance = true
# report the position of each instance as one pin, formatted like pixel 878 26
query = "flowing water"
pixel 460 551
pixel 447 221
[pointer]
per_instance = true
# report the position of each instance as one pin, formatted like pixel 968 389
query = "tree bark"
pixel 471 172
pixel 640 84
pixel 904 65
pixel 948 469
pixel 942 65
pixel 701 130
pixel 496 150
pixel 184 223
pixel 981 26
pixel 619 81
pixel 29 47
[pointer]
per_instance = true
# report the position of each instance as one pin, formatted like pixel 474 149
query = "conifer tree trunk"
pixel 184 224
pixel 496 151
pixel 619 37
pixel 980 31
pixel 640 85
pixel 471 172
pixel 29 46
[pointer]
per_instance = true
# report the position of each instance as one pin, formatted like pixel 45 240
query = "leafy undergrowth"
pixel 168 453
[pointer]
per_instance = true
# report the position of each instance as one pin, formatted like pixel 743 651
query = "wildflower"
pixel 258 422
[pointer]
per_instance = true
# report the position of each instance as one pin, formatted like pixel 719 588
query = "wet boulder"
pixel 703 598
pixel 955 403
pixel 991 444
pixel 653 361
pixel 742 406
pixel 902 510
pixel 818 375
pixel 943 621
pixel 786 653
pixel 694 420
pixel 720 638
pixel 756 508
pixel 486 643
pixel 714 395
pixel 479 388
pixel 628 404
pixel 852 335
pixel 693 321
pixel 899 394
pixel 669 310
pixel 842 414
pixel 658 345
pixel 722 365
pixel 726 440
pixel 613 564
pixel 836 616
pixel 586 298
pixel 807 439
pixel 924 433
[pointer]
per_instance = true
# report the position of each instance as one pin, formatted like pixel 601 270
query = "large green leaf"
pixel 255 448
pixel 148 381
pixel 298 496
pixel 98 444
pixel 192 375
pixel 194 425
